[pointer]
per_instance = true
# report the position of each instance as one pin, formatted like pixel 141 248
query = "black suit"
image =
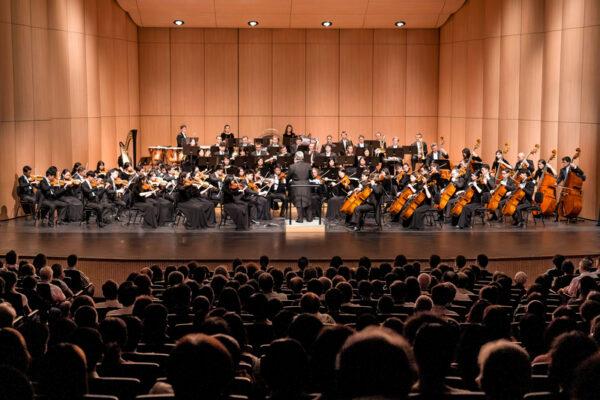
pixel 93 198
pixel 431 157
pixel 372 203
pixel 26 195
pixel 51 201
pixel 415 157
pixel 529 168
pixel 299 174
pixel 181 139
pixel 277 191
pixel 564 172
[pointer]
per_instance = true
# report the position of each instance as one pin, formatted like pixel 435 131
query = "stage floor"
pixel 127 243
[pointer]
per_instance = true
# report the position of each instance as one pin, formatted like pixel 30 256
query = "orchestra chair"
pixel 224 216
pixel 179 217
pixel 432 218
pixel 480 212
pixel 541 396
pixel 133 214
pixel 529 211
pixel 28 207
pixel 99 397
pixel 87 213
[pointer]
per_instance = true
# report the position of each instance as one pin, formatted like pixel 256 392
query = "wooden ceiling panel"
pixel 345 14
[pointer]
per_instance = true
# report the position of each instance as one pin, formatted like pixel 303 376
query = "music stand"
pixel 442 163
pixel 346 160
pixel 360 151
pixel 410 150
pixel 394 152
pixel 322 161
pixel 285 160
pixel 373 144
pixel 273 150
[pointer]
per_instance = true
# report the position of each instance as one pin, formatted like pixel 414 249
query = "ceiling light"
pixel 178 22
pixel 400 24
pixel 253 23
pixel 327 24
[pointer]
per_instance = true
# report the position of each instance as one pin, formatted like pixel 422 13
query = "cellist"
pixel 528 186
pixel 339 190
pixel 483 186
pixel 508 181
pixel 460 183
pixel 432 197
pixel 371 204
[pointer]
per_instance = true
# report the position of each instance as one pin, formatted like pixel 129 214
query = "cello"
pixel 355 200
pixel 467 196
pixel 416 202
pixel 447 194
pixel 400 201
pixel 571 196
pixel 547 189
pixel 510 207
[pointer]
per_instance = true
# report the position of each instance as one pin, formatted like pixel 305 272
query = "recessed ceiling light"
pixel 400 24
pixel 327 24
pixel 253 23
pixel 178 22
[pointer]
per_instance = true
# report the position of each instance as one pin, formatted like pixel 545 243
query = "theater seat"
pixel 99 397
pixel 453 396
pixel 123 388
pixel 541 396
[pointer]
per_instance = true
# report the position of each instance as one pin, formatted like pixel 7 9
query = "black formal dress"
pixel 192 207
pixel 94 199
pixel 371 204
pixel 74 209
pixel 26 194
pixel 237 209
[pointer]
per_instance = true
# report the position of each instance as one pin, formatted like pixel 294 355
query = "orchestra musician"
pixel 93 194
pixel 318 192
pixel 500 163
pixel 156 210
pixel 328 151
pixel 236 208
pixel 189 201
pixel 277 191
pixel 460 183
pixel 435 154
pixel 100 170
pixel 482 185
pixel 289 136
pixel 420 148
pixel 117 196
pixel 339 191
pixel 523 163
pixel 259 151
pixel 345 142
pixel 227 134
pixel 299 174
pixel 51 201
pixel 25 190
pixel 256 198
pixel 540 169
pixel 528 187
pixel 361 142
pixel 371 204
pixel 182 136
pixel 71 195
pixel 567 166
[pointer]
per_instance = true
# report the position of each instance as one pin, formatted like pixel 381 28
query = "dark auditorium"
pixel 299 199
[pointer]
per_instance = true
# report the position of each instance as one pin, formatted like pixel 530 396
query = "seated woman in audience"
pixel 505 371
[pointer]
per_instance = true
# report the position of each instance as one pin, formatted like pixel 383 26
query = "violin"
pixel 233 185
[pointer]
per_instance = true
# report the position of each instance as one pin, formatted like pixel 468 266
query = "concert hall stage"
pixel 118 242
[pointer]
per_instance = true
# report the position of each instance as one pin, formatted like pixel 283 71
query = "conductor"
pixel 299 174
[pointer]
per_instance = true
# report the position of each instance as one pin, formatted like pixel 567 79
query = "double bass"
pixel 571 196
pixel 547 189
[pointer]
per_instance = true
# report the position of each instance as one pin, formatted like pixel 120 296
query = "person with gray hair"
pixel 298 175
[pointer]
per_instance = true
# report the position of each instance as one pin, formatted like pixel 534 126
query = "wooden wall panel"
pixel 77 75
pixel 571 64
pixel 530 76
pixel 551 75
pixel 590 101
pixel 7 175
pixel 459 79
pixel 120 80
pixel 322 79
pixel 389 84
pixel 356 79
pixel 289 78
pixel 221 78
pixel 7 104
pixel 154 79
pixel 187 92
pixel 422 80
pixel 255 79
pixel 474 86
pixel 22 73
pixel 509 76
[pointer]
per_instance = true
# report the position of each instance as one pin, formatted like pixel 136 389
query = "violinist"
pixel 318 192
pixel 234 205
pixel 261 168
pixel 432 196
pixel 371 204
pixel 93 196
pixel 277 191
pixel 401 177
pixel 529 187
pixel 101 170
pixel 328 152
pixel 78 172
pixel 25 190
pixel 483 186
pixel 145 198
pixel 191 204
pixel 339 191
pixel 567 166
pixel 259 205
pixel 117 193
pixel 259 150
pixel 71 194
pixel 51 197
pixel 127 171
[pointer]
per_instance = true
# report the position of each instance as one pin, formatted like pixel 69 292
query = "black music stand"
pixel 322 161
pixel 410 150
pixel 394 152
pixel 346 160
pixel 299 185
